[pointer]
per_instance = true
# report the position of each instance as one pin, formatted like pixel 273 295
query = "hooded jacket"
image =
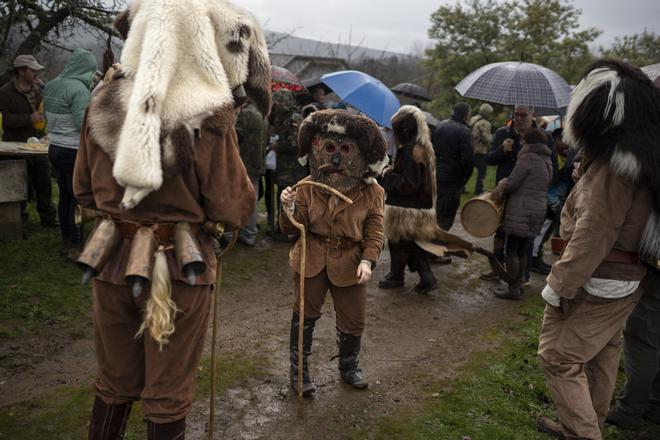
pixel 66 98
pixel 526 188
pixel 454 153
pixel 481 129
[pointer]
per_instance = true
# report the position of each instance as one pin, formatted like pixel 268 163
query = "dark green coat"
pixel 252 131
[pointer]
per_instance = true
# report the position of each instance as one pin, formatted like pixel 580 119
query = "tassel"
pixel 160 310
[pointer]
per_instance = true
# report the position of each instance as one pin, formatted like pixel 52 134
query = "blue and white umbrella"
pixel 364 92
pixel 515 82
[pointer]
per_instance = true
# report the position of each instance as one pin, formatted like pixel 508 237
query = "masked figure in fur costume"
pixel 410 204
pixel 344 240
pixel 158 158
pixel 610 225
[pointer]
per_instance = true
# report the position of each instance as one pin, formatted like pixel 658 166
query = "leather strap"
pixel 335 242
pixel 615 255
pixel 164 232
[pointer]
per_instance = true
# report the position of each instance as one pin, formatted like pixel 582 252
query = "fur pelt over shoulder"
pixel 183 63
pixel 402 223
pixel 362 129
pixel 614 116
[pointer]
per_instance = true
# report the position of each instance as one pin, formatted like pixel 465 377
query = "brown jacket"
pixel 325 215
pixel 16 112
pixel 215 187
pixel 603 212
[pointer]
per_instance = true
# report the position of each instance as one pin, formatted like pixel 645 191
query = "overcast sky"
pixel 402 25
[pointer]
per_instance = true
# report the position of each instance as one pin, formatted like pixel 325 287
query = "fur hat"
pixel 362 129
pixel 182 63
pixel 614 116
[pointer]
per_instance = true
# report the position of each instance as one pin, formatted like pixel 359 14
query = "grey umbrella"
pixel 411 90
pixel 515 82
pixel 653 71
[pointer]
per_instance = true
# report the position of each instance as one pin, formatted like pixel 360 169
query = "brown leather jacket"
pixel 215 187
pixel 324 215
pixel 603 212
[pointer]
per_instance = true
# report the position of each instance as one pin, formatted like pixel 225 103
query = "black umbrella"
pixel 312 83
pixel 411 90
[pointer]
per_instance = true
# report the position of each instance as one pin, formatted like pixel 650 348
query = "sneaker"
pixel 548 426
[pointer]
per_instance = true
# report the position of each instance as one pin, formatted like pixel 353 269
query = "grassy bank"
pixel 498 396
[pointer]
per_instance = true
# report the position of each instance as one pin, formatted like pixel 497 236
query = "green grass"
pixel 498 396
pixel 489 183
pixel 39 288
pixel 64 413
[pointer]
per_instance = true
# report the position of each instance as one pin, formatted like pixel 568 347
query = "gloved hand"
pixel 550 296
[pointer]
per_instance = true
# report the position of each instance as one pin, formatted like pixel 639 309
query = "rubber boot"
pixel 166 431
pixel 108 422
pixel 512 291
pixel 308 333
pixel 349 349
pixel 427 282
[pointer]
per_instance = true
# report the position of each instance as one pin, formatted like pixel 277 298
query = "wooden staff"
pixel 214 332
pixel 303 257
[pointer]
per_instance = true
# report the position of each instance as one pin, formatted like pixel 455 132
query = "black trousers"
pixel 404 253
pixel 448 201
pixel 480 164
pixel 63 160
pixel 41 188
pixel 641 354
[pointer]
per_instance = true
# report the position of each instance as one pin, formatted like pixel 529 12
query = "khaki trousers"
pixel 131 369
pixel 350 302
pixel 579 349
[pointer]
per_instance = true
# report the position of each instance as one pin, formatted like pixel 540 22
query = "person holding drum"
pixel 525 189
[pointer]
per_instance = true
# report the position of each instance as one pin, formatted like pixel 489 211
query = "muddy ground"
pixel 412 343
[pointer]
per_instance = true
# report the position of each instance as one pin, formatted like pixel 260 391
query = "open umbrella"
pixel 282 78
pixel 312 83
pixel 515 82
pixel 411 90
pixel 364 92
pixel 431 120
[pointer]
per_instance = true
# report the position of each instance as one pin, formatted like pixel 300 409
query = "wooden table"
pixel 14 185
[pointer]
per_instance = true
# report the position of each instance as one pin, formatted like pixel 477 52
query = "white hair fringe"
pixel 160 309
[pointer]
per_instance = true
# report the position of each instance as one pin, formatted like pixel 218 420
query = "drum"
pixel 481 216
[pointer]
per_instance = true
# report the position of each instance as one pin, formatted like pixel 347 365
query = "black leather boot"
pixel 308 387
pixel 108 422
pixel 427 282
pixel 399 256
pixel 349 348
pixel 166 431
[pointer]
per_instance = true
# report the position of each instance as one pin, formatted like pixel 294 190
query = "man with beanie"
pixel 481 137
pixel 454 158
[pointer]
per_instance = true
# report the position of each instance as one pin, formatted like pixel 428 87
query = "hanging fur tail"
pixel 161 310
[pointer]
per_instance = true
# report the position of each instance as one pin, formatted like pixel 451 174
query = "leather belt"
pixel 615 255
pixel 164 232
pixel 335 242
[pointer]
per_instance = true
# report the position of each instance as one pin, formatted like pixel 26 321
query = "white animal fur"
pixel 595 79
pixel 650 242
pixel 625 164
pixel 176 52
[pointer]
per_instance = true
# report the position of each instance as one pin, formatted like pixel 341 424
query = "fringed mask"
pixel 342 149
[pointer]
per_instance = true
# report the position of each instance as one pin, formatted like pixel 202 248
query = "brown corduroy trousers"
pixel 350 302
pixel 579 350
pixel 131 369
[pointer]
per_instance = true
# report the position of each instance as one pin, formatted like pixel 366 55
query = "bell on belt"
pixel 84 215
pixel 98 249
pixel 140 265
pixel 188 252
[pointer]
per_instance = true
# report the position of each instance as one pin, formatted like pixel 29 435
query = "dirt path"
pixel 411 341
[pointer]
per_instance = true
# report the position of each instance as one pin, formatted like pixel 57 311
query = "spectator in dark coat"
pixel 454 158
pixel 526 190
pixel 503 152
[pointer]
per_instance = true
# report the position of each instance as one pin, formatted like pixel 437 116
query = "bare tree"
pixel 26 26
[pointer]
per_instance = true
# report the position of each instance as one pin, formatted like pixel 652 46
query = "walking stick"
pixel 303 257
pixel 214 332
